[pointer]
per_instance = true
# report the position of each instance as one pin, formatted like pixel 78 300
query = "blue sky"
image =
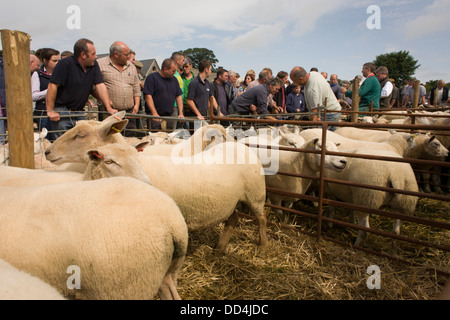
pixel 252 34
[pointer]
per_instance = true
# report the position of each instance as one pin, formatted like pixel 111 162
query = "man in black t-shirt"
pixel 161 90
pixel 72 81
pixel 201 92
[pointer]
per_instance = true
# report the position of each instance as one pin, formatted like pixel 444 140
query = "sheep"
pixel 122 161
pixel 301 163
pixel 90 134
pixel 128 239
pixel 207 135
pixel 390 115
pixel 12 176
pixel 207 187
pixel 396 175
pixel 84 135
pixel 119 166
pixel 406 145
pixel 40 145
pixel 19 285
pixel 363 134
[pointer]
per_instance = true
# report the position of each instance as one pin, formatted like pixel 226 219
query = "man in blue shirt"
pixel 71 84
pixel 201 92
pixel 255 100
pixel 161 90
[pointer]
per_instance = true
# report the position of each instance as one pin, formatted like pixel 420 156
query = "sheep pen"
pixel 298 267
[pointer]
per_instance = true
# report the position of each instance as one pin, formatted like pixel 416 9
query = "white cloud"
pixel 257 38
pixel 433 20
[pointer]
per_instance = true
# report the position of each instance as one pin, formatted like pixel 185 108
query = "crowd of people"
pixel 63 82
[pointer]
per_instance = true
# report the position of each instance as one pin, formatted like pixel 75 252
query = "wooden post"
pixel 16 55
pixel 371 106
pixel 435 102
pixel 355 99
pixel 415 102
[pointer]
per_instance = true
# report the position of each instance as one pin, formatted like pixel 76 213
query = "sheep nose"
pixel 344 162
pixel 47 152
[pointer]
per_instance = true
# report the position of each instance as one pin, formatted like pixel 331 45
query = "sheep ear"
pixel 410 137
pixel 94 155
pixel 112 127
pixel 142 145
pixel 392 131
pixel 432 138
pixel 297 129
pixel 43 133
pixel 314 142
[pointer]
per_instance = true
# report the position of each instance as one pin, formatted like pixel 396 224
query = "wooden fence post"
pixel 435 102
pixel 355 99
pixel 16 57
pixel 415 102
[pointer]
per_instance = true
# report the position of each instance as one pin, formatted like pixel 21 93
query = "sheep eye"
pixel 109 161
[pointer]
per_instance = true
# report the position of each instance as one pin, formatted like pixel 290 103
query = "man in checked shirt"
pixel 122 81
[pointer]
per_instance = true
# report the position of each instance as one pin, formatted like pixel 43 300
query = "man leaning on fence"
pixel 318 95
pixel 122 81
pixel 70 85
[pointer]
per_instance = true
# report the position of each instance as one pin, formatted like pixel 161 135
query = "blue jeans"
pixel 66 123
pixel 333 117
pixel 44 123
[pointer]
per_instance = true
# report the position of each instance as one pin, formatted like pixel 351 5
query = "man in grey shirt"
pixel 318 94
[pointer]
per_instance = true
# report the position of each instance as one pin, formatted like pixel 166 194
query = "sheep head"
pixel 114 160
pixel 434 148
pixel 87 134
pixel 332 162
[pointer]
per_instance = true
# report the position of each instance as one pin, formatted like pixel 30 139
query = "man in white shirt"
pixel 387 87
pixel 317 91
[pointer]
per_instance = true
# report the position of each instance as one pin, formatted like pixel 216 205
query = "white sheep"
pixel 90 134
pixel 85 135
pixel 413 146
pixel 207 187
pixel 18 285
pixel 363 134
pixel 127 238
pixel 207 135
pixel 120 165
pixel 301 163
pixel 39 146
pixel 396 175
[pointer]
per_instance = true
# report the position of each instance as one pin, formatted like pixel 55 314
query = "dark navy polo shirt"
pixel 257 96
pixel 163 91
pixel 200 92
pixel 75 84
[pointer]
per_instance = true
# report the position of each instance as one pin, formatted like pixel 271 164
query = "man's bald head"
pixel 119 53
pixel 34 63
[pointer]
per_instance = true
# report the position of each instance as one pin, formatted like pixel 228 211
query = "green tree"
pixel 401 65
pixel 199 54
pixel 431 84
